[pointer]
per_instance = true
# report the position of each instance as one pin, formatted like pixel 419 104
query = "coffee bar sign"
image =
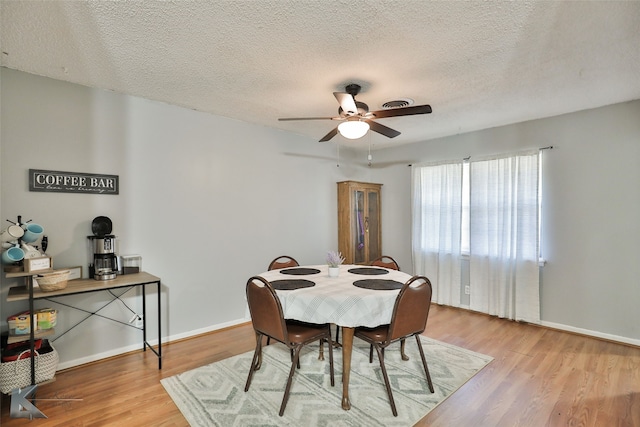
pixel 72 182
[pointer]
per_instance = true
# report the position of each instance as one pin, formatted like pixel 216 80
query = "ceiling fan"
pixel 356 117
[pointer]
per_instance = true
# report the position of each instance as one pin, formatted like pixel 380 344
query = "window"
pixel 489 211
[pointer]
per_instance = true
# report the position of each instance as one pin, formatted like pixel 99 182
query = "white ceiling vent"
pixel 402 102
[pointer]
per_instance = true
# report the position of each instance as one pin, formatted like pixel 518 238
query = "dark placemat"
pixel 378 284
pixel 368 271
pixel 302 271
pixel 291 284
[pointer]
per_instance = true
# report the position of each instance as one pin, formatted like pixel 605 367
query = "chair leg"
pixel 402 353
pixel 321 352
pixel 268 340
pixel 255 362
pixel 424 363
pixel 337 334
pixel 386 380
pixel 292 355
pixel 296 360
pixel 371 353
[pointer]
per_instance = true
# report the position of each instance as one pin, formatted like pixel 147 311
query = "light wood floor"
pixel 539 377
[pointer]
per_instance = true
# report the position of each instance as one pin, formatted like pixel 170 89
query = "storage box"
pixel 131 264
pixel 20 324
pixel 47 318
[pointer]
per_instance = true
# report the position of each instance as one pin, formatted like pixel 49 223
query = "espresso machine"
pixel 105 261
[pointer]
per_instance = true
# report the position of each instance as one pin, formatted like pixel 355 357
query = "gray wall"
pixel 591 211
pixel 208 201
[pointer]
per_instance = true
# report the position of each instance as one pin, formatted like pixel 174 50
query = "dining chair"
pixel 283 261
pixel 268 320
pixel 386 262
pixel 409 318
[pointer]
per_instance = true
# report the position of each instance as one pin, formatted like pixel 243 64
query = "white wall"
pixel 208 201
pixel 591 211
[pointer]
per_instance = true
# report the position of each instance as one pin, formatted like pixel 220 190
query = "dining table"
pixel 358 296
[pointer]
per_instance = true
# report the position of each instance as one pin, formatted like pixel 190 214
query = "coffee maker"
pixel 105 261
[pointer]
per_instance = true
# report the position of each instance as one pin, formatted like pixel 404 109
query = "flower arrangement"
pixel 334 259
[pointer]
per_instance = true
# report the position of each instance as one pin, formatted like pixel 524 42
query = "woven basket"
pixel 53 281
pixel 17 374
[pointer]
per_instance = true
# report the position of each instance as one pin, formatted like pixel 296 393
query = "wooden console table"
pixel 79 286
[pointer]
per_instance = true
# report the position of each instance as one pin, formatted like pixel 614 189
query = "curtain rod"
pixel 549 147
pixel 466 159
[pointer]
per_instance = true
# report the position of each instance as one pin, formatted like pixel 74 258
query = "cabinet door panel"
pixel 373 225
pixel 360 237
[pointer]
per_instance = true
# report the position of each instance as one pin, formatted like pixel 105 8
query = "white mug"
pixel 13 232
pixel 30 251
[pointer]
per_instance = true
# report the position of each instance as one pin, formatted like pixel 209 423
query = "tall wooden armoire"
pixel 359 224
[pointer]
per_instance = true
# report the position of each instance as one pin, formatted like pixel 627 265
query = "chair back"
pixel 283 261
pixel 265 308
pixel 411 308
pixel 386 262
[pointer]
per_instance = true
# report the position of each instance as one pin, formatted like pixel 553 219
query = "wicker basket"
pixel 17 374
pixel 53 281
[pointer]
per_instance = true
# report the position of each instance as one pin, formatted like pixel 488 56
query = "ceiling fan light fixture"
pixel 353 129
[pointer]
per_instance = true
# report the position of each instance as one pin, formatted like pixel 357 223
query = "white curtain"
pixel 504 247
pixel 436 217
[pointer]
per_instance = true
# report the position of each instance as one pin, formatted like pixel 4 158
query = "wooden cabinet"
pixel 359 225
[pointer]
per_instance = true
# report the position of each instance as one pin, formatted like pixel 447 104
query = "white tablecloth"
pixel 336 299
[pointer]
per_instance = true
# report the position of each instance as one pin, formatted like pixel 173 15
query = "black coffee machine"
pixel 105 261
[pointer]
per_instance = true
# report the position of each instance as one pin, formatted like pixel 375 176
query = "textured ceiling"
pixel 478 64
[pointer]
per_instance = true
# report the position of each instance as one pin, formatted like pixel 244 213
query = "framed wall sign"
pixel 73 182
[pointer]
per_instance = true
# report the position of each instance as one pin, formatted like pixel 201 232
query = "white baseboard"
pixel 134 347
pixel 587 332
pixel 591 333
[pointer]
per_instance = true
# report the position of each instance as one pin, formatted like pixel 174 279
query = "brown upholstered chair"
pixel 282 261
pixel 409 319
pixel 268 320
pixel 386 262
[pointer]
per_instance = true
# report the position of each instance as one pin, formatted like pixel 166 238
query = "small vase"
pixel 334 271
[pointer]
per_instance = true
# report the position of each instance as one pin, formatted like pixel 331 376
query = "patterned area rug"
pixel 213 395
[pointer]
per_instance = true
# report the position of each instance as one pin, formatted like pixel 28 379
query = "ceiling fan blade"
pixel 382 129
pixel 288 119
pixel 347 102
pixel 330 135
pixel 403 111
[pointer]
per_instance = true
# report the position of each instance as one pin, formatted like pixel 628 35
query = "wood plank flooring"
pixel 540 377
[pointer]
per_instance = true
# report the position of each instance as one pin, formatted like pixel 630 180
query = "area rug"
pixel 213 395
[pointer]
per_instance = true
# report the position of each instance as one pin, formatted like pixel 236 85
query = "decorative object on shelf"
pixel 37 264
pixel 334 260
pixel 53 281
pixel 17 240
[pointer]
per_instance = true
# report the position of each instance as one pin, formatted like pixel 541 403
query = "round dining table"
pixel 358 296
